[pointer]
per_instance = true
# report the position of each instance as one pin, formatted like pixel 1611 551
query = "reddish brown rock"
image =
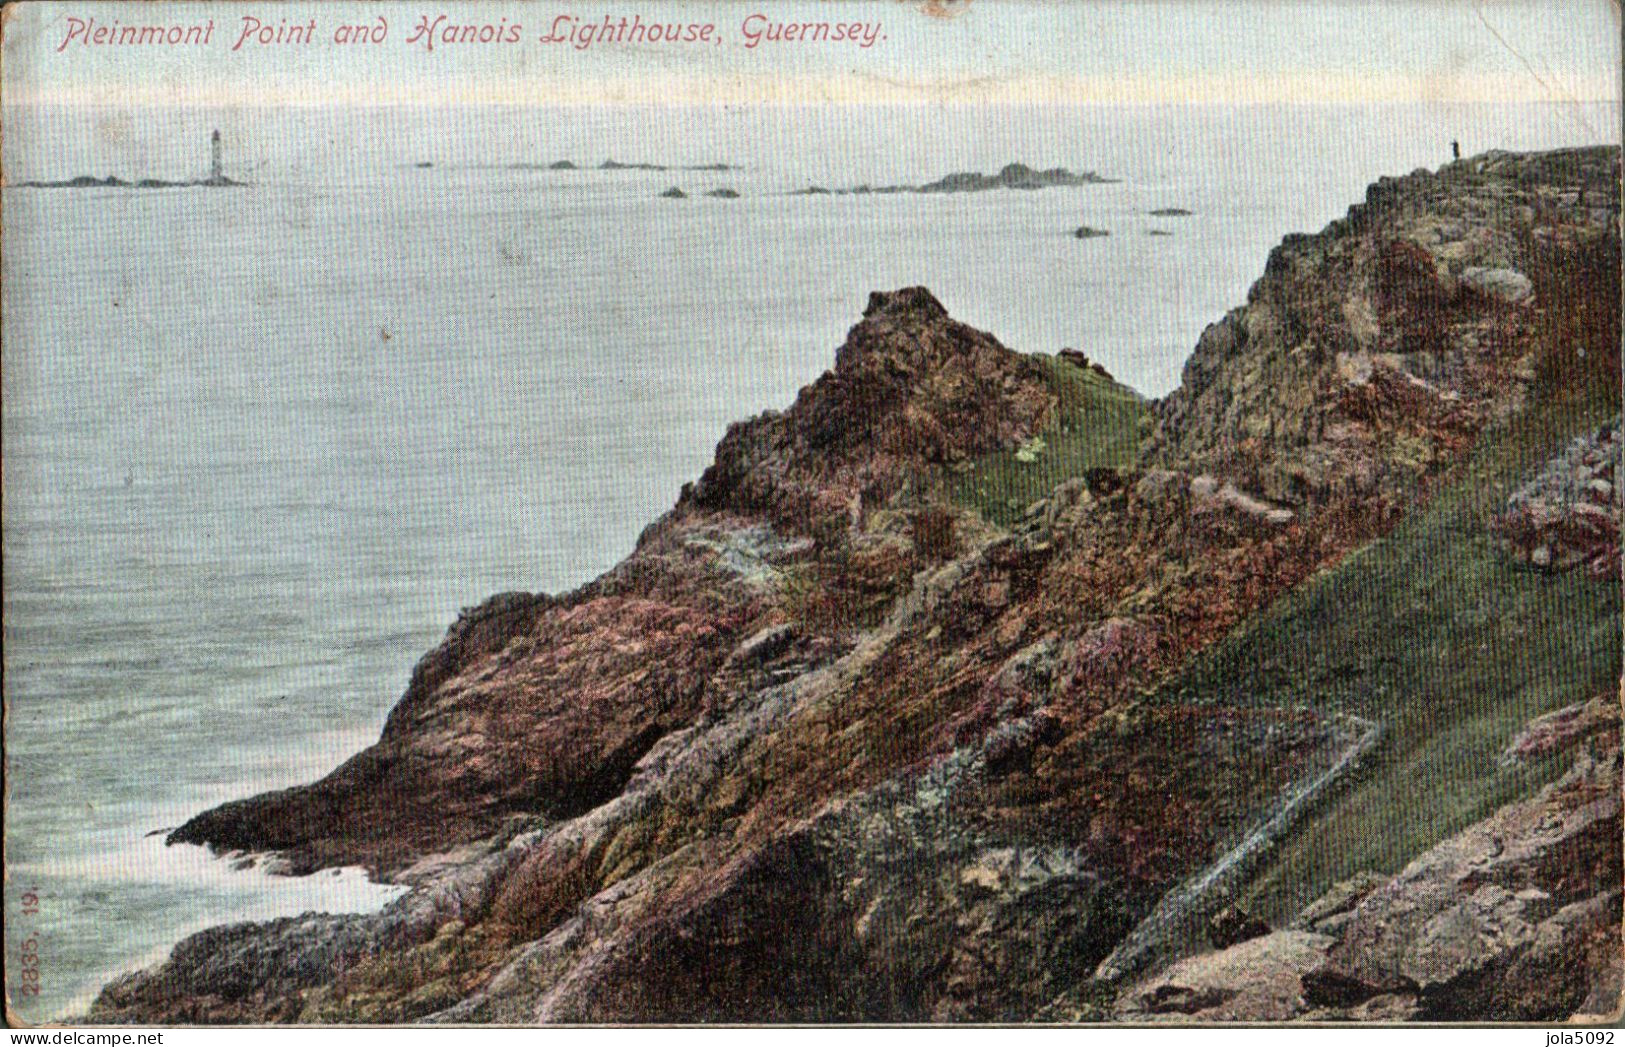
pixel 550 722
pixel 910 389
pixel 1564 728
pixel 1358 364
pixel 1568 514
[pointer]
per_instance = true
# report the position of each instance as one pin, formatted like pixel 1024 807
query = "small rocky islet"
pixel 616 165
pixel 1011 176
pixel 114 182
pixel 675 193
pixel 840 741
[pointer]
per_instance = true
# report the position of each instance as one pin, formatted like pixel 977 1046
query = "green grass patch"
pixel 1097 424
pixel 1444 639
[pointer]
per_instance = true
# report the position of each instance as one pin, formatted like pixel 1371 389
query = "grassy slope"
pixel 1448 642
pixel 1097 424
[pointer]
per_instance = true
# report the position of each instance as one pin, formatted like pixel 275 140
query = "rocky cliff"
pixel 835 743
pixel 1517 918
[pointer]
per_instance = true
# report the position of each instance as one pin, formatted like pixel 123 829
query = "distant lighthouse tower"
pixel 217 171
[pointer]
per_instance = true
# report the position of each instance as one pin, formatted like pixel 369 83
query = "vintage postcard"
pixel 901 512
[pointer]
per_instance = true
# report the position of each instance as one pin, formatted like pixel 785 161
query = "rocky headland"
pixel 974 687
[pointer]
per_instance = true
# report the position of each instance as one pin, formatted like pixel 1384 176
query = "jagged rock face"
pixel 1563 729
pixel 222 976
pixel 539 706
pixel 722 767
pixel 550 723
pixel 1511 920
pixel 911 389
pixel 1368 354
pixel 1517 918
pixel 823 749
pixel 1568 514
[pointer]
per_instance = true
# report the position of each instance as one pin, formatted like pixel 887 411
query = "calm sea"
pixel 261 444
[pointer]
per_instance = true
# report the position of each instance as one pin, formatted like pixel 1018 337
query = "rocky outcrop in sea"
pixel 832 744
pixel 1010 176
pixel 616 165
pixel 114 182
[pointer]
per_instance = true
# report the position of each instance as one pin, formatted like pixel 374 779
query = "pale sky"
pixel 984 50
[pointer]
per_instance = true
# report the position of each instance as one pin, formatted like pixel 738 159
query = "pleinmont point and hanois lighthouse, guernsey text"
pixel 427 31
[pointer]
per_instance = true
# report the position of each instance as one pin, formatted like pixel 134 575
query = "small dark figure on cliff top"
pixel 1455 149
